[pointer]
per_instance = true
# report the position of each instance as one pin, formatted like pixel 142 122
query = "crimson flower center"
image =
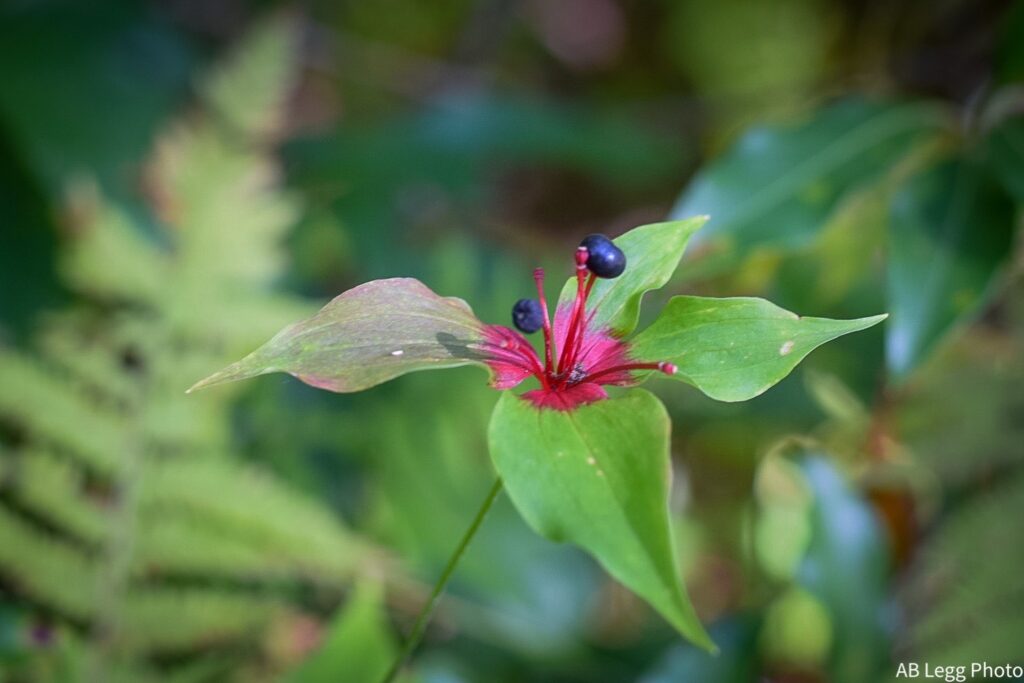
pixel 579 356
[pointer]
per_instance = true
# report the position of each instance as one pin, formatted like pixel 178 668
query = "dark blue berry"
pixel 604 259
pixel 527 316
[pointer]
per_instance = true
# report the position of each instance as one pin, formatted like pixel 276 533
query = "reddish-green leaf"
pixel 368 335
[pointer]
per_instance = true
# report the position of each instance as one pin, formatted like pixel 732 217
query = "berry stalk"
pixel 549 341
pixel 582 320
pixel 573 331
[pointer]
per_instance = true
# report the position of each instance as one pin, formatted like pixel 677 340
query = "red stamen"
pixel 566 360
pixel 549 340
pixel 667 368
pixel 511 353
pixel 511 358
pixel 582 321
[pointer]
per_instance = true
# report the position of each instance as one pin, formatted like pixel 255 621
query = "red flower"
pixel 579 359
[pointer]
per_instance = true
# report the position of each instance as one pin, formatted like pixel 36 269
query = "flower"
pixel 580 358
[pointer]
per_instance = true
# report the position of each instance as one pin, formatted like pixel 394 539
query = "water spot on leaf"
pixel 786 347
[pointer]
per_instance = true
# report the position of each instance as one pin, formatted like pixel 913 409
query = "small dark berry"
pixel 604 259
pixel 527 315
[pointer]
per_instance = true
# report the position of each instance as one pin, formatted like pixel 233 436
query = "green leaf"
pixel 365 336
pixel 778 184
pixel 359 646
pixel 652 254
pixel 1004 149
pixel 951 230
pixel 735 349
pixel 598 477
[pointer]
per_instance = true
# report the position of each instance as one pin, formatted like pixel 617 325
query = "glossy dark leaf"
pixel 778 184
pixel 951 227
pixel 1004 148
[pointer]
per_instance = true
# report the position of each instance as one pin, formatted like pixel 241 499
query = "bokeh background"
pixel 179 179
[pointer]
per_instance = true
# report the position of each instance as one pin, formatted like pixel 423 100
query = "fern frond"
pixel 169 619
pixel 191 546
pixel 52 414
pixel 187 549
pixel 108 235
pixel 254 507
pixel 250 87
pixel 52 488
pixel 87 360
pixel 217 174
pixel 47 571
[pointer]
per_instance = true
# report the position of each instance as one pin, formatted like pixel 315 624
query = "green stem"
pixel 435 596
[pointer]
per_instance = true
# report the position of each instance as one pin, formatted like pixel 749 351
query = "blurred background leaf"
pixel 951 231
pixel 778 185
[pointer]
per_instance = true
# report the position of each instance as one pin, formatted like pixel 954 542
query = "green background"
pixel 180 180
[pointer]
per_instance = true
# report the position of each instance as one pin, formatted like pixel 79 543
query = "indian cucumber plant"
pixel 581 465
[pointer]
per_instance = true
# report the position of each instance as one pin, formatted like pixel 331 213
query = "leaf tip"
pixel 702 639
pixel 216 378
pixel 201 384
pixel 873 320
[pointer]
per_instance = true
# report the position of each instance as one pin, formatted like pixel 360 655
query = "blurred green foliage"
pixel 125 511
pixel 177 181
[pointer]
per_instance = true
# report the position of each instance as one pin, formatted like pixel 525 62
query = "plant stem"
pixel 435 596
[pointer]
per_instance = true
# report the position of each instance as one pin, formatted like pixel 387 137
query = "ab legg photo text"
pixel 959 673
